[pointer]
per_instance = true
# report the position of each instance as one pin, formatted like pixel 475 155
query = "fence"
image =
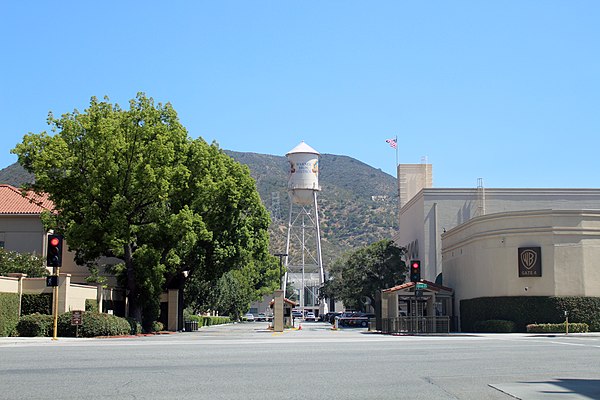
pixel 416 325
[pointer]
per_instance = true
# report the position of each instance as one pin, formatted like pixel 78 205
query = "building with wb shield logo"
pixel 499 242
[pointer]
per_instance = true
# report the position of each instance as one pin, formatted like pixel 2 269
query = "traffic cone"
pixel 299 327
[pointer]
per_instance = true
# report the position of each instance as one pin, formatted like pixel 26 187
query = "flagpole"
pixel 396 139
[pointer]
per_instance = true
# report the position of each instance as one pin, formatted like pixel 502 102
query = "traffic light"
pixel 415 270
pixel 54 251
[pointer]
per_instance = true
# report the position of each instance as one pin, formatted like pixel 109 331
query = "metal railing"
pixel 416 325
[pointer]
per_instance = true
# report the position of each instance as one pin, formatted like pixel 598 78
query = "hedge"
pixel 35 325
pixel 208 320
pixel 557 328
pixel 93 324
pixel 525 310
pixel 9 313
pixel 494 326
pixel 36 303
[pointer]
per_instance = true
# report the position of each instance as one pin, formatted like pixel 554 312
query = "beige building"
pixel 484 256
pixel 483 242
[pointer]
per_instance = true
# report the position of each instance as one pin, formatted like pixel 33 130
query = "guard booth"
pixel 287 311
pixel 417 308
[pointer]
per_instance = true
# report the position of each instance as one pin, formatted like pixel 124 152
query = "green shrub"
pixel 36 303
pixel 94 324
pixel 91 305
pixel 198 318
pixel 558 328
pixel 157 326
pixel 9 313
pixel 494 326
pixel 210 320
pixel 525 310
pixel 135 327
pixel 35 325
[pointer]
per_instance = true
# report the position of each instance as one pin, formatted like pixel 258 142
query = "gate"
pixel 416 325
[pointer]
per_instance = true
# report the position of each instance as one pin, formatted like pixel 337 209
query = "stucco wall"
pixel 433 211
pixel 480 258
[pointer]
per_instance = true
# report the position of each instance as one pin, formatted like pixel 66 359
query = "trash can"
pixel 191 326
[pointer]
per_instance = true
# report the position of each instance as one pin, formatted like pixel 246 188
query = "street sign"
pixel 76 317
pixel 52 280
pixel 421 286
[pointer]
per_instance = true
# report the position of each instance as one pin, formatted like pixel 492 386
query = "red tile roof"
pixel 12 201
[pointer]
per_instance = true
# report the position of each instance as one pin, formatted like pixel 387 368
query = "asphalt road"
pixel 246 361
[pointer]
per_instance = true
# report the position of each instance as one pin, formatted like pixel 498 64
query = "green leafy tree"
pixel 131 184
pixel 360 275
pixel 24 263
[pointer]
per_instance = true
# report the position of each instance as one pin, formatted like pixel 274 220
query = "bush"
pixel 36 303
pixel 35 325
pixel 9 313
pixel 557 328
pixel 157 326
pixel 494 326
pixel 94 324
pixel 91 305
pixel 198 318
pixel 525 310
pixel 210 320
pixel 135 327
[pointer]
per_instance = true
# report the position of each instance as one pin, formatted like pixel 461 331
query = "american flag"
pixel 392 143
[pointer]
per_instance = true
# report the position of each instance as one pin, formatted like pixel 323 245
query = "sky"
pixel 506 91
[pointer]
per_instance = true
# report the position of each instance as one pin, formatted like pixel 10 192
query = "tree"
pixel 360 275
pixel 131 184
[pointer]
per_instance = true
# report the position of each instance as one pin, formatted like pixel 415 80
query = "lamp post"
pixel 280 255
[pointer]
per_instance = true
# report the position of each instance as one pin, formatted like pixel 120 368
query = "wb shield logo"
pixel 528 258
pixel 530 261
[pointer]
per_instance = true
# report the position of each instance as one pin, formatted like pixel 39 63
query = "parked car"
pixel 330 316
pixel 310 316
pixel 355 319
pixel 296 314
pixel 261 317
pixel 248 317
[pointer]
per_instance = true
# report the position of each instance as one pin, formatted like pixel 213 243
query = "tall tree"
pixel 359 275
pixel 131 184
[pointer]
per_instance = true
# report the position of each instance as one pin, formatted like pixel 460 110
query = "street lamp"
pixel 280 255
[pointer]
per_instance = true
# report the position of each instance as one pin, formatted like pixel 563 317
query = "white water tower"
pixel 304 264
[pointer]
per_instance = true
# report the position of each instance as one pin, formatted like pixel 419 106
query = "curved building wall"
pixel 480 257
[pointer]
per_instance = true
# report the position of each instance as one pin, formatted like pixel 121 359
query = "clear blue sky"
pixel 507 91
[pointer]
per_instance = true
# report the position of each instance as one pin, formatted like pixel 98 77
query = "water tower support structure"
pixel 304 263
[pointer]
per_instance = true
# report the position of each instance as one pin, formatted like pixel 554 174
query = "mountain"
pixel 357 203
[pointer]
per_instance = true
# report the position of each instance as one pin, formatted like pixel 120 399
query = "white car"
pixel 248 317
pixel 310 316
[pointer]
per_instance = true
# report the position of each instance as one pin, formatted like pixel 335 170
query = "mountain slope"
pixel 357 203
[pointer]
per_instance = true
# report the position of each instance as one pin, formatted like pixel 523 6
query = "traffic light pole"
pixel 55 308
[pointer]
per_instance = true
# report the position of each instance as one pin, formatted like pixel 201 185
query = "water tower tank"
pixel 304 173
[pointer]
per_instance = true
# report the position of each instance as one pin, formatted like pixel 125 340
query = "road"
pixel 247 361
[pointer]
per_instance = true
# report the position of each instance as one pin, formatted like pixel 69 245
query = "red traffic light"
pixel 54 251
pixel 415 270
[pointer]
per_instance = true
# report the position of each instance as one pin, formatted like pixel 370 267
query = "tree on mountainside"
pixel 131 184
pixel 361 274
